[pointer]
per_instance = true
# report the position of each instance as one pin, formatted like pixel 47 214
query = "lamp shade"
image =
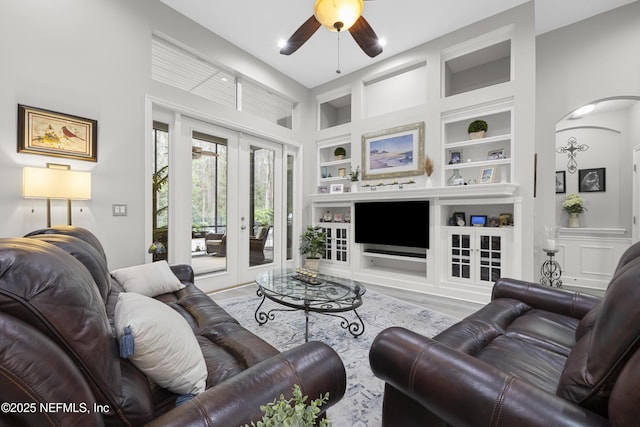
pixel 328 12
pixel 49 183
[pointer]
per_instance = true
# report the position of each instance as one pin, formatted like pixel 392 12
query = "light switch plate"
pixel 119 210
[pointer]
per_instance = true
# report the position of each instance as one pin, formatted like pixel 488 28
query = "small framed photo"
pixel 336 188
pixel 561 177
pixel 506 219
pixel 342 172
pixel 496 154
pixel 487 174
pixel 323 189
pixel 456 157
pixel 459 219
pixel 592 180
pixel 337 217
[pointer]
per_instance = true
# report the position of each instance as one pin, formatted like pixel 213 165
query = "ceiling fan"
pixel 197 152
pixel 336 15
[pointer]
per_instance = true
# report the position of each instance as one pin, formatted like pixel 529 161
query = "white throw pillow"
pixel 148 279
pixel 166 349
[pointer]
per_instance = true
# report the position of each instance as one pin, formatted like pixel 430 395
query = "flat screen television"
pixel 398 223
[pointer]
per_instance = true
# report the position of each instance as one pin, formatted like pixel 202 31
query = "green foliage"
pixel 264 216
pixel 477 126
pixel 313 241
pixel 339 151
pixel 293 412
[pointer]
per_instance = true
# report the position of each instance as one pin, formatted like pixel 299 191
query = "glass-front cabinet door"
pixel 476 256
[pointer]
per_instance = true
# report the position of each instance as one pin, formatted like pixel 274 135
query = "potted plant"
pixel 477 129
pixel 313 242
pixel 574 205
pixel 294 412
pixel 340 153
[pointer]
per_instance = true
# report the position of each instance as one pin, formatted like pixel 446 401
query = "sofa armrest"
pixel 183 272
pixel 315 366
pixel 444 382
pixel 573 304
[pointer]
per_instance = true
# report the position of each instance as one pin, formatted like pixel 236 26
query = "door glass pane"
pixel 160 190
pixel 208 204
pixel 289 207
pixel 261 204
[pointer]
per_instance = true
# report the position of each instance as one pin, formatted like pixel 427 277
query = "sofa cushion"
pixel 84 252
pixel 148 279
pixel 165 348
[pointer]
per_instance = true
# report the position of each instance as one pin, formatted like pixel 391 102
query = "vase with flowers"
pixel 574 205
pixel 428 170
pixel 354 175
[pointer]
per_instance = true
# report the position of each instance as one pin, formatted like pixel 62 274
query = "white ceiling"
pixel 256 26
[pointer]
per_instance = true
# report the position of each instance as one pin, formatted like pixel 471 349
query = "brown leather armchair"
pixel 533 356
pixel 58 347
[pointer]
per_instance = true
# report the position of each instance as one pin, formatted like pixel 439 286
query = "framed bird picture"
pixel 55 134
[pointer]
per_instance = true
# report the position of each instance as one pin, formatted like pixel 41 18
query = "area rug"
pixel 362 403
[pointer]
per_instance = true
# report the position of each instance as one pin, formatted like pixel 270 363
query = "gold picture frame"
pixel 393 152
pixel 55 134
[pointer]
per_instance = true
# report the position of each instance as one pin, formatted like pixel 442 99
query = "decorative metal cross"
pixel 571 149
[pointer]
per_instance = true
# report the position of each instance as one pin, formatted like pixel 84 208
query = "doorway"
pixel 220 205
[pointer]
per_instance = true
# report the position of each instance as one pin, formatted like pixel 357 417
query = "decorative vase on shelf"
pixel 574 220
pixel 428 182
pixel 324 172
pixel 354 186
pixel 455 178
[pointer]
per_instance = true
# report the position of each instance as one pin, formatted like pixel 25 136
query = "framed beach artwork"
pixel 55 134
pixel 393 152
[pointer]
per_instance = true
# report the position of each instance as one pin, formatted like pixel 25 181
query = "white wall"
pixel 92 59
pixel 575 65
pixel 606 147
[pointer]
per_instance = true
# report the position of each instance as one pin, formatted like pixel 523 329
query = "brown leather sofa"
pixel 533 356
pixel 59 359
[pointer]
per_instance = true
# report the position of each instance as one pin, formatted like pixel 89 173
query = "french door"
pixel 224 210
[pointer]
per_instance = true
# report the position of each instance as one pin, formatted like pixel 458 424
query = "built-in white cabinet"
pixel 335 221
pixel 457 80
pixel 477 255
pixel 337 248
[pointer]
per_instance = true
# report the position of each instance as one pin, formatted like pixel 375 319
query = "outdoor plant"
pixel 313 242
pixel 293 412
pixel 573 204
pixel 477 126
pixel 354 174
pixel 339 151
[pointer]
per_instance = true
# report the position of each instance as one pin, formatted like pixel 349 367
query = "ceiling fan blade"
pixel 366 38
pixel 301 35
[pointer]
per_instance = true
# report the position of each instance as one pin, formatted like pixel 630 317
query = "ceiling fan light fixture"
pixel 330 12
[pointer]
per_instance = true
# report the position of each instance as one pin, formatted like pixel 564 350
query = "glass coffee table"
pixel 324 294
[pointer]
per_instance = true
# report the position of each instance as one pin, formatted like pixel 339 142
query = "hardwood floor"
pixel 451 307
